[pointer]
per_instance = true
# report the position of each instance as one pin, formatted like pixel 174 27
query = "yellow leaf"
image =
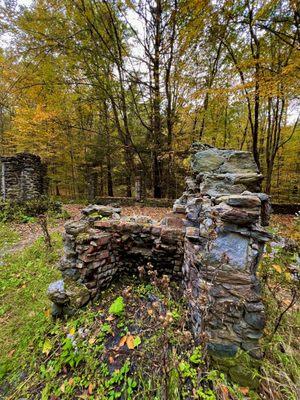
pixel 92 340
pixel 47 313
pixel 47 347
pixel 110 318
pixel 72 331
pixel 288 276
pixel 277 268
pixel 130 342
pixel 62 388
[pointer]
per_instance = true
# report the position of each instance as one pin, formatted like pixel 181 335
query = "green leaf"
pixel 47 347
pixel 137 341
pixel 117 306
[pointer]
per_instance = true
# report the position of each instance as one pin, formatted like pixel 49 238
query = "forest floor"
pixel 133 343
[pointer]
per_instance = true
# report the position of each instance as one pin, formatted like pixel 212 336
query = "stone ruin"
pixel 212 242
pixel 22 177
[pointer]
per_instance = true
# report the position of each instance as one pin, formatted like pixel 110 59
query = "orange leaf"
pixel 244 390
pixel 11 353
pixel 130 342
pixel 225 392
pixel 90 388
pixel 71 381
pixel 122 341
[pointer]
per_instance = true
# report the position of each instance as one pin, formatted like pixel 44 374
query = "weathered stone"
pixel 77 293
pixel 215 186
pixel 96 211
pixel 230 248
pixel 56 292
pixel 74 228
pixel 256 319
pixel 206 160
pixel 238 216
pixel 192 233
pixel 179 208
pixel 222 350
pixel 239 162
pixel 171 236
pixel 248 201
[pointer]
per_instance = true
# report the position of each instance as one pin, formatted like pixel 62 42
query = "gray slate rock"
pixel 207 160
pixel 56 292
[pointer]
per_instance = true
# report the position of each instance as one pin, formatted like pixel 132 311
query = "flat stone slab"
pixel 230 248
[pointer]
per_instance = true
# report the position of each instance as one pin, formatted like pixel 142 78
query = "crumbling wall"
pixel 213 241
pixel 22 177
pixel 96 251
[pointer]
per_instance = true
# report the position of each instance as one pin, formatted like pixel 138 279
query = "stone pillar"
pixel 224 242
pixel 138 187
pixel 22 177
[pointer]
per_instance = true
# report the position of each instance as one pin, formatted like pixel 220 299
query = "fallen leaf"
pixel 47 312
pixel 71 381
pixel 72 331
pixel 130 342
pixel 277 268
pixel 122 341
pixel 137 341
pixel 244 390
pixel 92 340
pixel 225 392
pixel 47 347
pixel 110 318
pixel 111 359
pixel 150 311
pixel 90 388
pixel 11 353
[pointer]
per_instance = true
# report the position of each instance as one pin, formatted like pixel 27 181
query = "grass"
pixel 7 237
pixel 24 278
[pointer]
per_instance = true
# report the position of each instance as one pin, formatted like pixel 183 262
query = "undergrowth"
pixel 134 343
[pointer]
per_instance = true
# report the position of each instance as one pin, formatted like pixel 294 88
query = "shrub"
pixel 27 211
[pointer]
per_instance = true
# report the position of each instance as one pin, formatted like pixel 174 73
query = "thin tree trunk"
pixel 157 189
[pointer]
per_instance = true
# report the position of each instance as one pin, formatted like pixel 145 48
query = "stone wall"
pixel 96 251
pixel 22 177
pixel 212 241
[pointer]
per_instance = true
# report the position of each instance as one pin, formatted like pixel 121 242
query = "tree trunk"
pixel 157 14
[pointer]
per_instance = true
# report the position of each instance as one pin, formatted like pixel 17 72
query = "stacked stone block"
pixel 22 177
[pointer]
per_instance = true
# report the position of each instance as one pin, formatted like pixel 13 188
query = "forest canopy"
pixel 105 91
